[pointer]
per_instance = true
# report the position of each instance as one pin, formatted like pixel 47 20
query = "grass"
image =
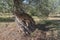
pixel 8 19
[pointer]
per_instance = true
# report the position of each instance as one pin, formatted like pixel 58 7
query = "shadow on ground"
pixel 44 27
pixel 47 25
pixel 8 19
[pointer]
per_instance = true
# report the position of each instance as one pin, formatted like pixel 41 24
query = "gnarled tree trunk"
pixel 24 21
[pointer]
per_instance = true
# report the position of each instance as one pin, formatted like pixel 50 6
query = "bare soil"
pixel 9 31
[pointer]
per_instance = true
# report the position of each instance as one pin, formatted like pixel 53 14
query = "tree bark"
pixel 24 21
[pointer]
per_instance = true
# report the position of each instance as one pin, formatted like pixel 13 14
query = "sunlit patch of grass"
pixel 5 14
pixel 6 17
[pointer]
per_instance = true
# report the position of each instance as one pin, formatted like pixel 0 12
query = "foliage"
pixel 40 8
pixel 6 5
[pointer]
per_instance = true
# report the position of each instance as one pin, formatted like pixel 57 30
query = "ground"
pixel 9 31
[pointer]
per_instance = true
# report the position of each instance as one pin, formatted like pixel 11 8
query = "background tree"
pixel 6 5
pixel 38 8
pixel 42 7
